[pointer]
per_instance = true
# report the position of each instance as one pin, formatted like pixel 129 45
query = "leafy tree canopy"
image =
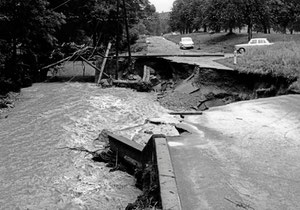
pixel 30 30
pixel 216 15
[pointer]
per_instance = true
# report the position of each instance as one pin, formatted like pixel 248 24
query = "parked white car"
pixel 186 42
pixel 241 48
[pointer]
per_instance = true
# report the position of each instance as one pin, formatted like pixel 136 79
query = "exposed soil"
pixel 189 87
pixel 215 88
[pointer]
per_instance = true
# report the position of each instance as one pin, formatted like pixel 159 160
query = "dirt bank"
pixel 209 87
pixel 190 87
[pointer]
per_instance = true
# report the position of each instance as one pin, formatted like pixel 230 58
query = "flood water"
pixel 38 172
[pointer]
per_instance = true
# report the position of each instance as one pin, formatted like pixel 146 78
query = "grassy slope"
pixel 280 59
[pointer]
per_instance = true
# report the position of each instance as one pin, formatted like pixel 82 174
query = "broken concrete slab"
pixel 125 147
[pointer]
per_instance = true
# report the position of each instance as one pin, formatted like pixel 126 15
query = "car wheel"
pixel 241 50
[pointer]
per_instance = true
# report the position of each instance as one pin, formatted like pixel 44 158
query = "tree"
pixel 98 19
pixel 197 11
pixel 164 22
pixel 231 15
pixel 214 12
pixel 285 14
pixel 34 28
pixel 177 16
pixel 189 15
pixel 29 31
pixel 182 16
pixel 249 10
pixel 264 16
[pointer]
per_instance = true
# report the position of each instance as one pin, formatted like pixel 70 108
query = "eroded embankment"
pixel 190 87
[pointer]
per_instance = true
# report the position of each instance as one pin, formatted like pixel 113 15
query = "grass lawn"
pixel 223 42
pixel 280 60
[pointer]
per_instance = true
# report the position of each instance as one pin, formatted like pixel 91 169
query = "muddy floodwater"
pixel 37 171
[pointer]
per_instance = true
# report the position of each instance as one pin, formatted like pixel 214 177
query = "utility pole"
pixel 127 32
pixel 117 40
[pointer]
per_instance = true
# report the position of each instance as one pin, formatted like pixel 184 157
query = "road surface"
pixel 159 45
pixel 241 156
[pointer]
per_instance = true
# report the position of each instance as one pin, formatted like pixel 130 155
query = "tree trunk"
pixel 265 29
pixel 127 34
pixel 249 32
pixel 205 28
pixel 284 30
pixel 94 38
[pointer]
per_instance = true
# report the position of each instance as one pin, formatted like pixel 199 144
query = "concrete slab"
pixel 241 156
pixel 203 62
pixel 163 46
pixel 125 147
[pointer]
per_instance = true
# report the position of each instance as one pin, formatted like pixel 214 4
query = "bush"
pixel 6 85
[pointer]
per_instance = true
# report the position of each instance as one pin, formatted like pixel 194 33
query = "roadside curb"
pixel 155 153
pixel 159 151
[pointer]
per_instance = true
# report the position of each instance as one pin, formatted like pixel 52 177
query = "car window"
pixel 186 39
pixel 262 41
pixel 253 42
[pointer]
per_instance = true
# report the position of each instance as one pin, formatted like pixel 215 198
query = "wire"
pixel 61 5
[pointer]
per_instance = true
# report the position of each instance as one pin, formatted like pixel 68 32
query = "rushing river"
pixel 36 172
